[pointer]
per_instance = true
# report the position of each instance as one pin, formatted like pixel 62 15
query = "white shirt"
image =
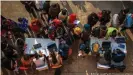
pixel 115 21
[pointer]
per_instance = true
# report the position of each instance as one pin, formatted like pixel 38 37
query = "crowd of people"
pixel 62 25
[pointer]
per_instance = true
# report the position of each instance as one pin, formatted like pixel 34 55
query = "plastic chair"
pixel 40 64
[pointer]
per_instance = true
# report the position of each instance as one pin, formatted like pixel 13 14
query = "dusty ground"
pixel 74 65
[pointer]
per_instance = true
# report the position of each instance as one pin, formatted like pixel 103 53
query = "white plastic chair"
pixel 40 64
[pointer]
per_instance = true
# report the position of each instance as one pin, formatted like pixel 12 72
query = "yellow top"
pixel 96 47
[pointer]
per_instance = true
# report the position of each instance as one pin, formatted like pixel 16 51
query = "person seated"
pixel 122 15
pixel 111 32
pixel 120 18
pixel 128 23
pixel 104 17
pixel 55 60
pixel 99 31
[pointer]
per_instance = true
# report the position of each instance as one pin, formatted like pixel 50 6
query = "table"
pixel 44 42
pixel 114 45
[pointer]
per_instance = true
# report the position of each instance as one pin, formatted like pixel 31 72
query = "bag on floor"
pixel 118 56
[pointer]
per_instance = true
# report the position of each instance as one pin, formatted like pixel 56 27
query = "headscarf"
pixel 77 30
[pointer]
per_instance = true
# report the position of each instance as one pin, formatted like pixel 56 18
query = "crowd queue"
pixel 62 25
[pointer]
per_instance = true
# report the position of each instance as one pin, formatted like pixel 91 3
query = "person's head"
pixel 64 11
pixel 106 12
pixel 114 33
pixel 82 46
pixel 34 21
pixel 55 5
pixel 26 57
pixel 125 11
pixel 87 27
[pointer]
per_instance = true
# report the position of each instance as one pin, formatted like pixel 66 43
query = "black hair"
pixel 114 33
pixel 64 11
pixel 26 57
pixel 19 19
pixel 126 10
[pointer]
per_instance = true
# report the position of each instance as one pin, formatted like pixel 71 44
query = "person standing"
pixel 54 10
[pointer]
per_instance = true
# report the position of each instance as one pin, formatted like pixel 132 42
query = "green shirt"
pixel 109 31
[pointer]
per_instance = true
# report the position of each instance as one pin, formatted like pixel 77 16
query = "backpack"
pixel 96 32
pixel 118 56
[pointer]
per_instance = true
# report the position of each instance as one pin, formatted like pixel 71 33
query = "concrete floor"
pixel 75 65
